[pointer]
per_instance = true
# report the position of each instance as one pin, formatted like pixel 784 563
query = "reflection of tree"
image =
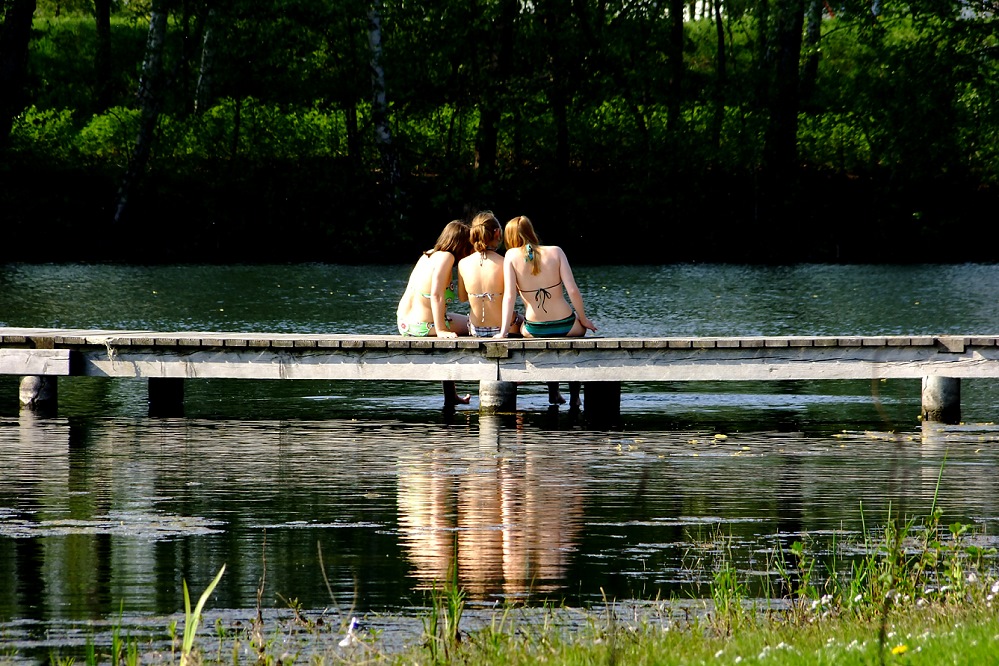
pixel 508 516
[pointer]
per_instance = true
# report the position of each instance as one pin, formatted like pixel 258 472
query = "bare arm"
pixel 509 295
pixel 572 290
pixel 462 289
pixel 439 281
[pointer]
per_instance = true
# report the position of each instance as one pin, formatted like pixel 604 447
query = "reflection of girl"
pixel 422 311
pixel 542 276
pixel 480 279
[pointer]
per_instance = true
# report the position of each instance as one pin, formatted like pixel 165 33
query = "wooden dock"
pixel 940 361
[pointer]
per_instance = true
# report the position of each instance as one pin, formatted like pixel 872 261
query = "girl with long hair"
pixel 541 275
pixel 480 279
pixel 422 310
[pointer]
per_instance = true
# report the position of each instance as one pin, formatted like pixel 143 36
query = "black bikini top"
pixel 541 295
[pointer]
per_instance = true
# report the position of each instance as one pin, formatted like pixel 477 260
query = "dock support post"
pixel 497 396
pixel 166 396
pixel 39 394
pixel 602 403
pixel 941 399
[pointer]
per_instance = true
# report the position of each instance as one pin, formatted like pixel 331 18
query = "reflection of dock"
pixel 509 524
pixel 166 359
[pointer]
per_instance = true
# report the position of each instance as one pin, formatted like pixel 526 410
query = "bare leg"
pixel 554 397
pixel 574 401
pixel 451 396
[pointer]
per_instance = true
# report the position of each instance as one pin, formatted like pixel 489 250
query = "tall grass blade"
pixel 191 620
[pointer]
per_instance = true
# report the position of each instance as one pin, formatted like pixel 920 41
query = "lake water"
pixel 334 497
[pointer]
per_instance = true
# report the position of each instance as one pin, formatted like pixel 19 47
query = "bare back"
pixel 543 294
pixel 480 282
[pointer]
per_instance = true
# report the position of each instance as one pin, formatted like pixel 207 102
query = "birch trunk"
pixel 379 101
pixel 813 33
pixel 149 104
pixel 721 75
pixel 206 70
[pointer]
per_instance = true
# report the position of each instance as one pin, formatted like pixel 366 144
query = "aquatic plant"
pixel 441 626
pixel 192 619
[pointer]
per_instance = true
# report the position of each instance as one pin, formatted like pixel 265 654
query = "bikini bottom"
pixel 490 331
pixel 419 329
pixel 550 329
pixel 482 331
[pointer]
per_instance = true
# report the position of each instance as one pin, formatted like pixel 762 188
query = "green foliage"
pixel 904 115
pixel 50 132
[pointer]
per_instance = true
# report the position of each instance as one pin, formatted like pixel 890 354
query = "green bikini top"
pixel 449 294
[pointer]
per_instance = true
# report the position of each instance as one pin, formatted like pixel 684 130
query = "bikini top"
pixel 449 294
pixel 541 295
pixel 490 295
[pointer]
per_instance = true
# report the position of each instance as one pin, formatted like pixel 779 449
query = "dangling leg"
pixel 554 397
pixel 574 401
pixel 451 396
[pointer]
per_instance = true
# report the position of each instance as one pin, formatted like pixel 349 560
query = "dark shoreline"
pixel 278 214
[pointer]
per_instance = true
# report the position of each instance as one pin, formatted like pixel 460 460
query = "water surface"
pixel 338 497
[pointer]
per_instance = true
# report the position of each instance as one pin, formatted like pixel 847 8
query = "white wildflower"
pixel 995 587
pixel 972 577
pixel 857 599
pixel 719 653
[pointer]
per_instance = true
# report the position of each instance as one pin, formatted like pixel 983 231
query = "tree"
pixel 150 103
pixel 15 34
pixel 782 130
pixel 497 71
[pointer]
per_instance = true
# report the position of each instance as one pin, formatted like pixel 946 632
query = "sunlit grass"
pixel 908 591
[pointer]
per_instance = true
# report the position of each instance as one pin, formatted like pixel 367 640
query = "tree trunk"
pixel 379 102
pixel 15 34
pixel 676 67
pixel 498 72
pixel 721 75
pixel 149 105
pixel 558 95
pixel 206 70
pixel 813 33
pixel 782 136
pixel 103 73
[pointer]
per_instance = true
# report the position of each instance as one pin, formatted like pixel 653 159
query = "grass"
pixel 910 591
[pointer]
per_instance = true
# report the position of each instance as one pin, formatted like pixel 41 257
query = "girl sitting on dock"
pixel 542 276
pixel 422 311
pixel 480 279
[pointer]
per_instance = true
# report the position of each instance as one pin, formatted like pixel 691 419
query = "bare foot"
pixel 556 399
pixel 458 399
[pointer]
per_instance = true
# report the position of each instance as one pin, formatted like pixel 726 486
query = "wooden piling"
pixel 941 399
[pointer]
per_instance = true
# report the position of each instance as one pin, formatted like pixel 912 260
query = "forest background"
pixel 630 131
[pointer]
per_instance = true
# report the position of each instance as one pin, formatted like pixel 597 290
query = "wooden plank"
pixel 954 344
pixel 25 362
pixel 293 363
pixel 763 364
